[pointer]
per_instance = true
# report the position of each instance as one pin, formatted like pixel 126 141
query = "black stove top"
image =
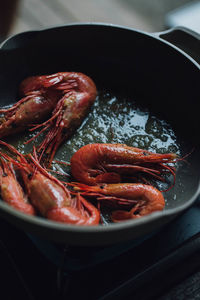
pixel 32 268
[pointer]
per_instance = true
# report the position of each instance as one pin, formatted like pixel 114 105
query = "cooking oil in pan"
pixel 120 120
pixel 113 119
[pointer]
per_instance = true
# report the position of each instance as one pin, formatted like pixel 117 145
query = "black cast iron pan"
pixel 156 73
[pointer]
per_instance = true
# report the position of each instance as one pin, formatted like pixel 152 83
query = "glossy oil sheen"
pixel 115 119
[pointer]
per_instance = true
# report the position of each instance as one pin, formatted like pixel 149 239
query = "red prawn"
pixel 11 191
pixel 78 94
pixel 36 104
pixel 110 163
pixel 143 199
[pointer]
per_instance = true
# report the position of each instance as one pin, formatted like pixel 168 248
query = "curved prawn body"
pixel 11 191
pixel 36 104
pixel 54 201
pixel 109 163
pixel 49 196
pixel 78 94
pixel 143 199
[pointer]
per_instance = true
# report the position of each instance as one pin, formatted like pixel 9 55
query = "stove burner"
pixel 60 271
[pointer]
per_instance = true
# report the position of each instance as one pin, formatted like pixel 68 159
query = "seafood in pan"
pixel 77 94
pixel 52 199
pixel 46 194
pixel 109 163
pixel 113 174
pixel 67 95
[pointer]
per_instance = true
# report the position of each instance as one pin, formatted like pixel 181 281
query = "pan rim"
pixel 153 35
pixel 111 227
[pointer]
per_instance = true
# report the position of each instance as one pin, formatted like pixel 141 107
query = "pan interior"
pixel 145 97
pixel 116 118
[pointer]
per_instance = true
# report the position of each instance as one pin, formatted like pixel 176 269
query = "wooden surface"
pixel 38 14
pixel 140 14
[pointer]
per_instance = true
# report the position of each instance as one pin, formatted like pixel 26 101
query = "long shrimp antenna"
pixel 16 105
pixel 185 156
pixel 172 169
pixel 174 178
pixel 47 124
pixel 12 149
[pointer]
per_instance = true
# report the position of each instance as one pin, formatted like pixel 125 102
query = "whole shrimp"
pixel 78 94
pixel 109 163
pixel 144 199
pixel 36 104
pixel 48 195
pixel 11 191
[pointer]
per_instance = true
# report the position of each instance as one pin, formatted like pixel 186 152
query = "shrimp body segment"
pixel 11 191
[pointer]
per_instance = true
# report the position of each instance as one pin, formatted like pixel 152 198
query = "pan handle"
pixel 183 38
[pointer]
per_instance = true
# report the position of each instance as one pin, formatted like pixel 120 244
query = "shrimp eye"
pixel 145 153
pixel 101 186
pixel 13 125
pixel 30 176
